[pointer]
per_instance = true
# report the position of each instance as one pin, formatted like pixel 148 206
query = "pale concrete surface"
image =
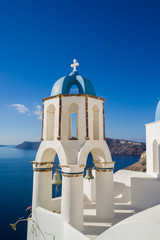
pixel 94 226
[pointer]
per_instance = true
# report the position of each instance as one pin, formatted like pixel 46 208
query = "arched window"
pixel 50 123
pixel 73 122
pixel 74 125
pixel 74 89
pixel 155 157
pixel 95 111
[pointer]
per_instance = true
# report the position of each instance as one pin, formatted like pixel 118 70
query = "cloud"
pixel 20 108
pixel 24 110
pixel 38 111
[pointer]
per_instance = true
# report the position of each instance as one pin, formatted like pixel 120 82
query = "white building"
pixel 153 145
pixel 88 209
pixel 72 151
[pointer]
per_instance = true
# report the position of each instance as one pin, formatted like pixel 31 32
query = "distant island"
pixel 116 146
pixel 3 146
pixel 28 145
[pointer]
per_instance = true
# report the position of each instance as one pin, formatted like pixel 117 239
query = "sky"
pixel 117 44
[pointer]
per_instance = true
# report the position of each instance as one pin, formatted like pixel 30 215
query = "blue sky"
pixel 115 42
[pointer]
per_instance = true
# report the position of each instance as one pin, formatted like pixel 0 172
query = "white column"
pixel 72 195
pixel 104 190
pixel 42 187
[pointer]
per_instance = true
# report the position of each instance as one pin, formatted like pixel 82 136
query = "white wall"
pixel 142 189
pixel 52 226
pixel 145 192
pixel 153 136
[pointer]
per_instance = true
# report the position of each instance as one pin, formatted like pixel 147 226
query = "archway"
pixel 100 189
pixel 50 155
pixel 99 150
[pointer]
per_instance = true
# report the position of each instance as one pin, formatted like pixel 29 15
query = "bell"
pixel 56 178
pixel 89 174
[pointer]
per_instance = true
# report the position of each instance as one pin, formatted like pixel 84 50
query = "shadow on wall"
pixel 122 193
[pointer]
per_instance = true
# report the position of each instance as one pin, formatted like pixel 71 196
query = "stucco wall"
pixel 152 134
pixel 51 225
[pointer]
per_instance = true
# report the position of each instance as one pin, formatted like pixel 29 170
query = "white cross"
pixel 74 65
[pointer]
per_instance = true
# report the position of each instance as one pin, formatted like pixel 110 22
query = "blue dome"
pixel 157 117
pixel 64 84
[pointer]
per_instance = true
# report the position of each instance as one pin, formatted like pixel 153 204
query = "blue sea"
pixel 16 180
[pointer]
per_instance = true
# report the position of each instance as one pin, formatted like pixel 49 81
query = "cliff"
pixel 125 147
pixel 116 146
pixel 139 166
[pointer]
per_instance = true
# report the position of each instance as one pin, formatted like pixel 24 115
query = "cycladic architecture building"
pixel 153 145
pixel 105 207
pixel 73 125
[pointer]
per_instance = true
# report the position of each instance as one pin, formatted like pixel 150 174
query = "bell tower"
pixel 72 141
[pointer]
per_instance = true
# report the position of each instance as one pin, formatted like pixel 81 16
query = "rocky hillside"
pixel 139 166
pixel 116 146
pixel 125 147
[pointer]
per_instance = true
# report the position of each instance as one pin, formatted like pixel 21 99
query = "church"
pixel 101 205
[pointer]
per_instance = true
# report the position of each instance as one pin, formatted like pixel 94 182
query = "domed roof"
pixel 64 84
pixel 157 117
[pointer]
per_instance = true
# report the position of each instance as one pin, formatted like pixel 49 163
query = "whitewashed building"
pixel 72 150
pixel 73 125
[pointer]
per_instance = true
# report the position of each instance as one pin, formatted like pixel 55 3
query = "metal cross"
pixel 74 65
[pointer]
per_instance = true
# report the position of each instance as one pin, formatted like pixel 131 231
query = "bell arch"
pixel 99 151
pixel 101 188
pixel 155 157
pixel 73 121
pixel 95 114
pixel 47 153
pixel 42 188
pixel 50 124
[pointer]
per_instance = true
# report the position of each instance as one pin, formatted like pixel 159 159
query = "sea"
pixel 16 181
